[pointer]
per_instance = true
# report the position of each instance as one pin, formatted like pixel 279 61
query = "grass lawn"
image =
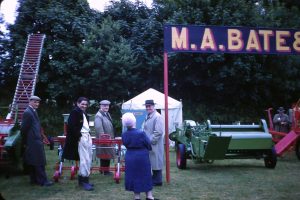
pixel 226 179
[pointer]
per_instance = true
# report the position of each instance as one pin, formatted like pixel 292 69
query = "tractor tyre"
pixel 297 149
pixel 271 159
pixel 181 156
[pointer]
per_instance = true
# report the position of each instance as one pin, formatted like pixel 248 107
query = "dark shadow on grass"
pixel 8 171
pixel 221 166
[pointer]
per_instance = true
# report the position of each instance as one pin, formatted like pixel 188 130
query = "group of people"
pixel 144 148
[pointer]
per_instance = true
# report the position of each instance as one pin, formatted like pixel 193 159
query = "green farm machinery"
pixel 10 144
pixel 206 142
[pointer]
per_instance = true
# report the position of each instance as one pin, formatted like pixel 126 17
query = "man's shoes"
pixel 48 183
pixel 87 187
pixel 151 199
pixel 87 180
pixel 157 184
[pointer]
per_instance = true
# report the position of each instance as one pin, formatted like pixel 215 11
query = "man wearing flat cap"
pixel 104 129
pixel 32 140
pixel 281 121
pixel 154 128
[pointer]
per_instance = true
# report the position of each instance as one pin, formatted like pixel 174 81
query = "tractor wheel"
pixel 297 149
pixel 271 159
pixel 180 156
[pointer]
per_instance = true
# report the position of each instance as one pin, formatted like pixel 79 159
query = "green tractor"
pixel 10 144
pixel 207 142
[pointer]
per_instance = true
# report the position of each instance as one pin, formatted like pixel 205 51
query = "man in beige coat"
pixel 154 128
pixel 103 125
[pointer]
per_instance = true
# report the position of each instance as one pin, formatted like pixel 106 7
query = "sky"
pixel 8 8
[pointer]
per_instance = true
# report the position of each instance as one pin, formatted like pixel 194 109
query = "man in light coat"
pixel 103 125
pixel 154 128
pixel 34 155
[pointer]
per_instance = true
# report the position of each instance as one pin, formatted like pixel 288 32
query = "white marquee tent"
pixel 136 105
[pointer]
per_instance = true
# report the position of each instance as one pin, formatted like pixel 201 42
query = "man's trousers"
pixel 85 154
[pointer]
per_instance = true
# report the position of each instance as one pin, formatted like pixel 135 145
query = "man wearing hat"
pixel 104 129
pixel 154 128
pixel 281 121
pixel 34 154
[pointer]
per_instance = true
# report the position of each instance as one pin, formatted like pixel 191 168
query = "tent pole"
pixel 166 117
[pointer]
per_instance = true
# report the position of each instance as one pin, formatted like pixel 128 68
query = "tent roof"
pixel 137 102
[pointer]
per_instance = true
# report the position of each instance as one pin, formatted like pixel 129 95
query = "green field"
pixel 226 179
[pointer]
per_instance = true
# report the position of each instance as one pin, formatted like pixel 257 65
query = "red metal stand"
pixel 286 141
pixel 117 169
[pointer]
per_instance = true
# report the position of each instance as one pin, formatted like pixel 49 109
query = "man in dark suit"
pixel 34 155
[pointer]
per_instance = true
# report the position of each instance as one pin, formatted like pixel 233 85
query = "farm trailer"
pixel 207 142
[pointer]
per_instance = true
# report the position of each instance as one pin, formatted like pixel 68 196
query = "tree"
pixel 215 80
pixel 108 62
pixel 119 53
pixel 139 25
pixel 65 23
pixel 2 52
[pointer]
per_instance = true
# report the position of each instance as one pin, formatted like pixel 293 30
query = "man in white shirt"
pixel 78 145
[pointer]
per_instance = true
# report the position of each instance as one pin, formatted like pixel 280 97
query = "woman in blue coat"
pixel 138 176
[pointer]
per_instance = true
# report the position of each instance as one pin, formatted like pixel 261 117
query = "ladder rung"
pixel 28 73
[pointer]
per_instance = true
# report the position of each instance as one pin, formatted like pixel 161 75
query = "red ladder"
pixel 28 75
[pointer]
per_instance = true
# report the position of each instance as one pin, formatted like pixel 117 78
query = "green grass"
pixel 226 179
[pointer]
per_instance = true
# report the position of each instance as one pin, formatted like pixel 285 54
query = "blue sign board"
pixel 140 116
pixel 225 39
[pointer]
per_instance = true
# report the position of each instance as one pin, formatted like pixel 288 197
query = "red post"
pixel 166 117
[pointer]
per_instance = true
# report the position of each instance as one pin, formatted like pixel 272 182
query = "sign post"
pixel 223 39
pixel 166 117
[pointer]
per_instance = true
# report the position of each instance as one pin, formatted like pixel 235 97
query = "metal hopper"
pixel 207 142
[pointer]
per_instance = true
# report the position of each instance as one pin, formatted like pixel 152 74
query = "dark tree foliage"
pixel 6 64
pixel 2 52
pixel 65 24
pixel 138 25
pixel 247 84
pixel 118 53
pixel 109 62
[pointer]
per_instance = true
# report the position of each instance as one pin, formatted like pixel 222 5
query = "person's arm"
pixel 276 119
pixel 25 126
pixel 158 130
pixel 74 125
pixel 98 125
pixel 146 141
pixel 285 120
